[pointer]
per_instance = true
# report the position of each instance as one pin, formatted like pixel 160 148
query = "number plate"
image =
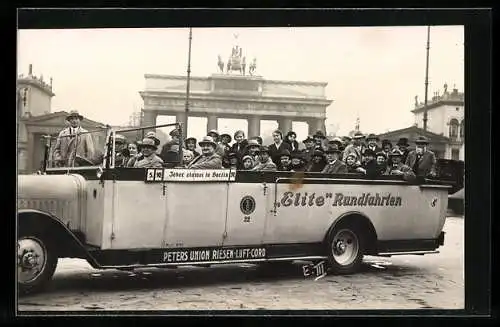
pixel 315 270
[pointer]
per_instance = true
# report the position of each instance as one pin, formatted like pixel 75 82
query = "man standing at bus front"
pixel 72 142
pixel 208 159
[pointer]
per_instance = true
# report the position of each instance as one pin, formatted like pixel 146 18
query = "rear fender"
pixel 64 240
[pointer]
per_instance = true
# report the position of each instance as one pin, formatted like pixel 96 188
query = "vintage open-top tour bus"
pixel 125 218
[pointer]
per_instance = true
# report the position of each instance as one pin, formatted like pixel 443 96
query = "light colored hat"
pixel 422 140
pixel 148 142
pixel 213 131
pixel 152 135
pixel 336 140
pixel 396 152
pixel 207 140
pixel 120 138
pixel 352 154
pixel 246 157
pixel 358 135
pixel 74 113
pixel 253 142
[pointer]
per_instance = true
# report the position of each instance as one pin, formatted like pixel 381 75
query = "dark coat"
pixel 426 165
pixel 274 152
pixel 294 146
pixel 240 152
pixel 316 167
pixel 166 148
pixel 338 167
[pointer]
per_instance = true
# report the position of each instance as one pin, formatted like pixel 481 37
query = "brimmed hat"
pixel 386 142
pixel 358 135
pixel 174 132
pixel 74 113
pixel 421 140
pixel 285 153
pixel 372 137
pixel 318 153
pixel 207 140
pixel 337 140
pixel 369 152
pixel 148 142
pixel 263 149
pixel 403 141
pixel 319 134
pixel 252 142
pixel 309 138
pixel 381 153
pixel 212 131
pixel 291 133
pixel 396 153
pixel 120 138
pixel 191 139
pixel 246 157
pixel 352 154
pixel 226 135
pixel 346 138
pixel 333 150
pixel 152 135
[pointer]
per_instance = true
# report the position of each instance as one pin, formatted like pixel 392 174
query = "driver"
pixel 149 157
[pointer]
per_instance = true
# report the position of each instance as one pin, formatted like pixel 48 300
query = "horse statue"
pixel 253 66
pixel 234 64
pixel 220 63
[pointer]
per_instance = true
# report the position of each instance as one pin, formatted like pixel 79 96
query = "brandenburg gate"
pixel 237 96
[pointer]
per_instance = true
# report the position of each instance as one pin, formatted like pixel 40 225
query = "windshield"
pixel 111 148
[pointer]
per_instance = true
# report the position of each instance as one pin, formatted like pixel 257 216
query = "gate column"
pixel 316 125
pixel 211 122
pixel 253 126
pixel 149 118
pixel 285 125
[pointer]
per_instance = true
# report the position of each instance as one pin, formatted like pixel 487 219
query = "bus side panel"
pixel 196 214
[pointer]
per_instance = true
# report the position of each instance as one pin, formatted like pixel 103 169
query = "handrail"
pixel 146 127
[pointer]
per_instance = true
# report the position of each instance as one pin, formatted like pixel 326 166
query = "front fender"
pixel 45 223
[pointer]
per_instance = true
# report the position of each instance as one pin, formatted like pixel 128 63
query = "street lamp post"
pixel 188 82
pixel 426 77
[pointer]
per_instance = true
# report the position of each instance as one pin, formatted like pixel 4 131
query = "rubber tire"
pixel 336 268
pixel 39 283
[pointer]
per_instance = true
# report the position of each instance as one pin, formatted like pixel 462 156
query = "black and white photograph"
pixel 240 168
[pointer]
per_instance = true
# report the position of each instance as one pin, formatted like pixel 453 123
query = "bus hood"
pixel 64 196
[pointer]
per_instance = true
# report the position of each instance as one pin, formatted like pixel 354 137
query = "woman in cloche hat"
pixel 149 157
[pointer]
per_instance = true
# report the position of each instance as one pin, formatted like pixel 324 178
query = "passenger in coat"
pixel 278 146
pixel 334 164
pixel 382 162
pixel 133 150
pixel 239 144
pixel 372 143
pixel 265 162
pixel 208 159
pixel 122 153
pixel 291 139
pixel 355 147
pixel 247 162
pixel 219 149
pixel 369 166
pixel 285 163
pixel 422 160
pixel 386 149
pixel 403 146
pixel 187 157
pixel 398 168
pixel 317 163
pixel 149 157
pixel 191 146
pixel 319 139
pixel 298 162
pixel 73 142
pixel 233 161
pixel 335 143
pixel 225 139
pixel 353 166
pixel 309 148
pixel 252 149
pixel 167 147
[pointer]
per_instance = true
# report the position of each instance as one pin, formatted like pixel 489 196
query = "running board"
pixel 388 254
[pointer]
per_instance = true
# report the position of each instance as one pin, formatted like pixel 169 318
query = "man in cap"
pixel 152 135
pixel 285 163
pixel 334 165
pixel 317 163
pixel 291 139
pixel 208 159
pixel 265 162
pixel 403 146
pixel 309 148
pixel 319 138
pixel 422 160
pixel 355 147
pixel 73 142
pixel 278 146
pixel 121 151
pixel 191 145
pixel 167 147
pixel 372 141
pixel 398 168
pixel 219 148
pixel 149 158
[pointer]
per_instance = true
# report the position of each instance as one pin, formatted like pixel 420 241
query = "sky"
pixel 372 73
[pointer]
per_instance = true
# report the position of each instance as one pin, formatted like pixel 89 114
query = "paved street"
pixel 401 282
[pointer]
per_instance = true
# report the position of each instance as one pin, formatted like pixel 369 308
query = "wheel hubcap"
pixel 345 247
pixel 31 259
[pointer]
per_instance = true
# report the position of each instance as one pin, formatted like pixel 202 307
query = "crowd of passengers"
pixel 361 154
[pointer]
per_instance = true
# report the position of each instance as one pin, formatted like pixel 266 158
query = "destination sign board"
pixel 189 175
